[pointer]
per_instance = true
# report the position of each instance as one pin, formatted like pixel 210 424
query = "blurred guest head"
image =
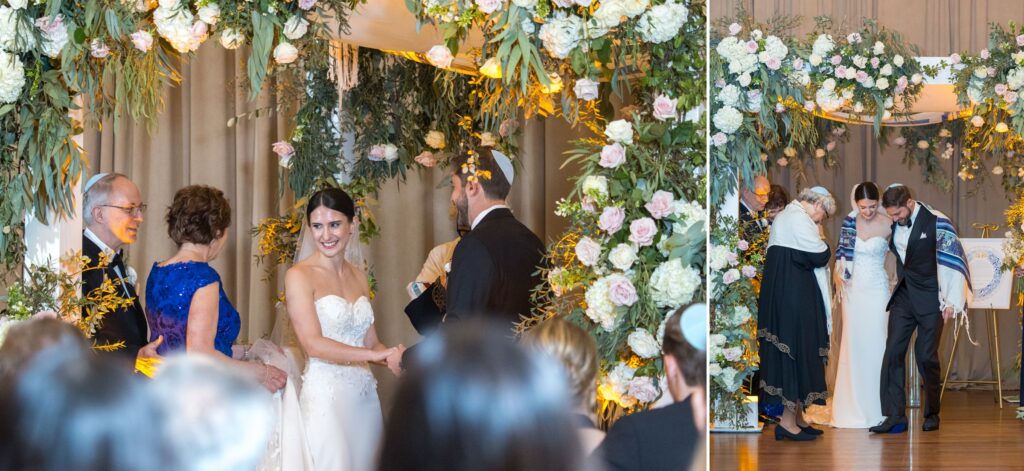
pixel 474 400
pixel 218 418
pixel 777 201
pixel 71 410
pixel 24 339
pixel 576 350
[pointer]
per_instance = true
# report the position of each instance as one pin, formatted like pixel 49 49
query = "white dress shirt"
pixel 901 239
pixel 484 213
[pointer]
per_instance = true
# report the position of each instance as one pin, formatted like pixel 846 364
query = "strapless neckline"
pixel 342 298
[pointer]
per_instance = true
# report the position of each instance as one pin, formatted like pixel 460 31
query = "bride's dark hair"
pixel 332 198
pixel 865 191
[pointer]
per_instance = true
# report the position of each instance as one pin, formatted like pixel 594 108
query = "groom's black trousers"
pixel 902 322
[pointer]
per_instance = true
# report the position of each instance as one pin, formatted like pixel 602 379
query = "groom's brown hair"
pixel 895 196
pixel 497 186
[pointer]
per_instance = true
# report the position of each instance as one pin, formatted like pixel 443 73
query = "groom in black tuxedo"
pixel 113 210
pixel 494 267
pixel 914 304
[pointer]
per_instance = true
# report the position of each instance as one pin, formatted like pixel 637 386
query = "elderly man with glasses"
pixel 112 212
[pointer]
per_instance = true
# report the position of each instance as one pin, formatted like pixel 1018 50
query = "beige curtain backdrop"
pixel 939 28
pixel 193 145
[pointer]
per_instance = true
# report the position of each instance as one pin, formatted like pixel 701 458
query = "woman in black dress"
pixel 793 312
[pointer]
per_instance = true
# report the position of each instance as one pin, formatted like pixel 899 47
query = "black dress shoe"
pixel 781 434
pixel 892 424
pixel 811 430
pixel 930 423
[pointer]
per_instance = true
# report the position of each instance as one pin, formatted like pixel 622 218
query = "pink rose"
pixel 642 388
pixel 901 83
pixel 984 54
pixel 954 58
pixel 621 291
pixel 732 353
pixel 1010 96
pixel 1000 88
pixel 751 47
pixel 782 162
pixel 809 106
pixel 841 71
pixel 798 64
pixel 283 149
pixel 733 259
pixel 642 231
pixel 142 40
pixel 199 30
pixel 1020 40
pixel 719 139
pixel 875 62
pixel 731 276
pixel 588 252
pixel 837 59
pixel 665 108
pixel 831 146
pixel 426 159
pixel 773 63
pixel 488 6
pixel 743 245
pixel 780 108
pixel 861 76
pixel 98 49
pixel 612 155
pixel 440 56
pixel 735 29
pixel 991 71
pixel 662 204
pixel 748 271
pixel 611 219
pixel 306 4
pixel 50 26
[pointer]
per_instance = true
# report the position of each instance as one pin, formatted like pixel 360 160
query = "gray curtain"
pixel 193 145
pixel 938 28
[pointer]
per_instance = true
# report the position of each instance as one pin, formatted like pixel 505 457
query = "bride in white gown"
pixel 860 266
pixel 329 307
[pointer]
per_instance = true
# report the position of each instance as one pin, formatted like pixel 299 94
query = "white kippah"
pixel 505 164
pixel 894 185
pixel 694 324
pixel 92 181
pixel 820 190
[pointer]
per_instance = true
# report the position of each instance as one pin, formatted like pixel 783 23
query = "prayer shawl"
pixel 794 229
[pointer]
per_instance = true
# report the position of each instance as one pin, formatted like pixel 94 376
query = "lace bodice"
pixel 869 262
pixel 345 322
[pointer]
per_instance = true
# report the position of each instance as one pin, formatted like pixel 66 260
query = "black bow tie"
pixel 117 261
pixel 905 223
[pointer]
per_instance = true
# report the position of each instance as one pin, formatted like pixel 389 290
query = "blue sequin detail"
pixel 169 292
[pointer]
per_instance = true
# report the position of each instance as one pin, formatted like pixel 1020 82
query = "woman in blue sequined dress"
pixel 185 300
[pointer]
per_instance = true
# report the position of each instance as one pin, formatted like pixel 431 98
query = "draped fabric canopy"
pixel 939 28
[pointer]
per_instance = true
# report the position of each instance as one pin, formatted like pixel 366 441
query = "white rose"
pixel 440 56
pixel 285 53
pixel 586 89
pixel 527 4
pixel 231 38
pixel 729 95
pixel 898 60
pixel 916 79
pixel 17 4
pixel 622 257
pixel 436 140
pixel 886 70
pixel 673 285
pixel 823 45
pixel 878 48
pixel 588 252
pixel 487 139
pixel 643 344
pixel 882 83
pixel 815 60
pixel 620 131
pixel 209 14
pixel 744 80
pixel 295 27
pixel 596 186
pixel 860 61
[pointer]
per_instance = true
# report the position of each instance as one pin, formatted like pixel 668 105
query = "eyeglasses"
pixel 133 211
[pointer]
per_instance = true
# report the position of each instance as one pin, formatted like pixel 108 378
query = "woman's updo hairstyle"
pixel 332 198
pixel 865 191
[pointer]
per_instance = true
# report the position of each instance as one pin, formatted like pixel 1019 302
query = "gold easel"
pixel 993 348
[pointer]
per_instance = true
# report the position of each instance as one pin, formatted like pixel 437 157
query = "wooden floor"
pixel 974 434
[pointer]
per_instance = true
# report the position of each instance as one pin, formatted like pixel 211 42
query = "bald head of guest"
pixel 113 209
pixel 756 196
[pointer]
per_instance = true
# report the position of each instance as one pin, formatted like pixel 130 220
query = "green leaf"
pixel 262 42
pixel 79 35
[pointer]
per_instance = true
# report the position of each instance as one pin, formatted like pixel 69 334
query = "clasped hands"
pixel 390 357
